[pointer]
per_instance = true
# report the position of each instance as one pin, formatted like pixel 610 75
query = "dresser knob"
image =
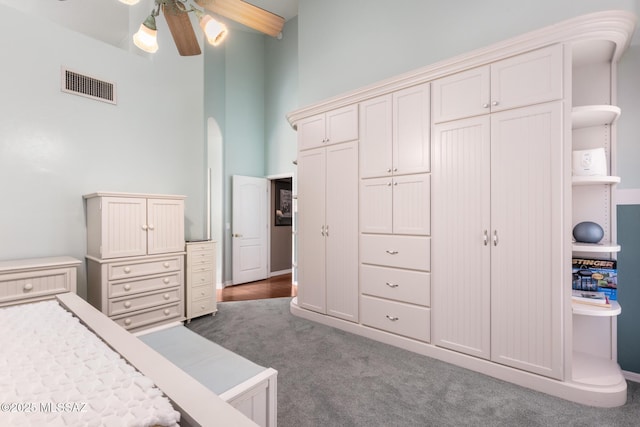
pixel 127 270
pixel 166 265
pixel 127 287
pixel 127 304
pixel 27 286
pixel 201 293
pixel 202 307
pixel 166 296
pixel 127 322
pixel 167 312
pixel 166 280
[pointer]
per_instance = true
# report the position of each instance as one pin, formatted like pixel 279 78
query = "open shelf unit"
pixel 594 115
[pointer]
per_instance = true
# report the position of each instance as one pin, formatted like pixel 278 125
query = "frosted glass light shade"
pixel 214 31
pixel 146 39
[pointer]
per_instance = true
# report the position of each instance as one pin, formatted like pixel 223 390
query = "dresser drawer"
pixel 392 283
pixel 130 287
pixel 202 277
pixel 203 306
pixel 410 252
pixel 29 284
pixel 147 317
pixel 396 317
pixel 125 269
pixel 199 292
pixel 140 302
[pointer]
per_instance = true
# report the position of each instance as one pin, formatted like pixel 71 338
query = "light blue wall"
pixel 345 45
pixel 55 147
pixel 281 97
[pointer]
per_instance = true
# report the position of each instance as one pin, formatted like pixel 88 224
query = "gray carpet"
pixel 327 377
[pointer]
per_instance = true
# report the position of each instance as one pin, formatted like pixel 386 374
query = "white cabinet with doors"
pixel 497 264
pixel 328 230
pixel 394 133
pixel 333 127
pixel 525 79
pixel 135 257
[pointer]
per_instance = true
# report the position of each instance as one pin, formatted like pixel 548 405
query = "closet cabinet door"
pixel 411 130
pixel 412 204
pixel 341 231
pixel 311 222
pixel 461 95
pixel 376 137
pixel 123 226
pixel 342 124
pixel 527 239
pixel 311 132
pixel 376 205
pixel 461 223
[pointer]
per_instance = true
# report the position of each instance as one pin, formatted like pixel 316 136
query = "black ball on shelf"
pixel 588 232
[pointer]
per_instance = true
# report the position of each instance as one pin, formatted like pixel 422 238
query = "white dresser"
pixel 37 279
pixel 135 257
pixel 200 266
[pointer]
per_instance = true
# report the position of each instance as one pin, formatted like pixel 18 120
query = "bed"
pixel 47 286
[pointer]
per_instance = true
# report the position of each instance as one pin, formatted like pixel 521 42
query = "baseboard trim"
pixel 279 273
pixel 631 376
pixel 599 396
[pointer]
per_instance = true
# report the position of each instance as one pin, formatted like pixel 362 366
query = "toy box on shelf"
pixel 596 275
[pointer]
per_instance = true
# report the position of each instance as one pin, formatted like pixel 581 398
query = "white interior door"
pixel 249 234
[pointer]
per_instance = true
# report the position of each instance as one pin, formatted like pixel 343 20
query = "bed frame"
pixel 25 281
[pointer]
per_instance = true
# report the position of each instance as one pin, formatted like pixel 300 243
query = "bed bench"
pixel 248 387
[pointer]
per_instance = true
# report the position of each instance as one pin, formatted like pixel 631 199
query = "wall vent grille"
pixel 88 87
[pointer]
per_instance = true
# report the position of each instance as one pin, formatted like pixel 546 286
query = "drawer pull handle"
pixel 166 280
pixel 202 307
pixel 393 318
pixel 127 287
pixel 127 304
pixel 202 293
pixel 166 265
pixel 167 312
pixel 392 252
pixel 166 296
pixel 392 285
pixel 127 322
pixel 27 286
pixel 202 279
pixel 127 270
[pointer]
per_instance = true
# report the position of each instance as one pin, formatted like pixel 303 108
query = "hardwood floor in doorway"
pixel 274 287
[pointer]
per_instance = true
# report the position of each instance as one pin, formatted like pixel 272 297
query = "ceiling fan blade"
pixel 246 14
pixel 181 29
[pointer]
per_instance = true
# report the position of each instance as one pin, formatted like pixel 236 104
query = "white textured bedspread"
pixel 55 372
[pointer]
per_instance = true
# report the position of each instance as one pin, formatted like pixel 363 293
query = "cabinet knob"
pixel 167 312
pixel 151 227
pixel 494 103
pixel 127 287
pixel 27 286
pixel 165 280
pixel 202 307
pixel 201 293
pixel 127 304
pixel 391 285
pixel 166 296
pixel 393 318
pixel 127 270
pixel 144 227
pixel 485 105
pixel 166 265
pixel 127 322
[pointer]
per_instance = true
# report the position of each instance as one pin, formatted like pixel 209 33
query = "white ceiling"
pixel 108 20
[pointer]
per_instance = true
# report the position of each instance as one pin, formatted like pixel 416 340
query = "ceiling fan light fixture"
pixel 129 2
pixel 147 36
pixel 215 31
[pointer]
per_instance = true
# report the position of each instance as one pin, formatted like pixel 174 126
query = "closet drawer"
pixel 396 317
pixel 199 292
pixel 141 302
pixel 410 252
pixel 125 269
pixel 400 285
pixel 120 289
pixel 202 306
pixel 143 318
pixel 15 286
pixel 203 277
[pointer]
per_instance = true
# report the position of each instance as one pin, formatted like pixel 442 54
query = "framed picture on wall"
pixel 283 203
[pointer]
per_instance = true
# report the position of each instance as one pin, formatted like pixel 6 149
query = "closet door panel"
pixel 412 204
pixel 311 221
pixel 411 130
pixel 461 95
pixel 342 124
pixel 342 231
pixel 375 137
pixel 461 224
pixel 376 205
pixel 311 132
pixel 124 227
pixel 526 261
pixel 165 226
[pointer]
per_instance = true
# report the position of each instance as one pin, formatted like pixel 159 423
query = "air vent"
pixel 89 87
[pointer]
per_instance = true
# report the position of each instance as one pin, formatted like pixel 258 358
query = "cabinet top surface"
pixel 142 195
pixel 38 263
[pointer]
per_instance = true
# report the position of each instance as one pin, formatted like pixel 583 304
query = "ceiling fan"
pixel 176 13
